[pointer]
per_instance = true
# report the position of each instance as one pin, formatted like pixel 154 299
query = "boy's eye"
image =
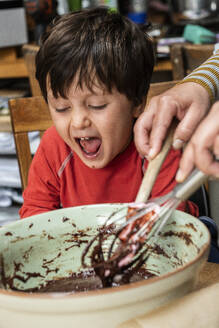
pixel 97 107
pixel 61 110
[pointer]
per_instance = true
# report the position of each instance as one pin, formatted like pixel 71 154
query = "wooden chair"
pixel 27 114
pixel 32 114
pixel 186 57
pixel 29 53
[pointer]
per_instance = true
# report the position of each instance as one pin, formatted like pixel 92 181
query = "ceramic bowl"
pixel 45 247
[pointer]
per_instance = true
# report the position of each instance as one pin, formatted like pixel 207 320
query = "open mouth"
pixel 90 146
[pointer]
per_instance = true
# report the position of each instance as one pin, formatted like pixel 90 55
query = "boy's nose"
pixel 79 118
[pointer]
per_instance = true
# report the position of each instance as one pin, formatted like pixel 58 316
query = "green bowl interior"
pixel 49 246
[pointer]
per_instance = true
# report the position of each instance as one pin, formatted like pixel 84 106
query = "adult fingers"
pixel 186 164
pixel 142 130
pixel 166 110
pixel 207 141
pixel 202 158
pixel 187 126
pixel 202 149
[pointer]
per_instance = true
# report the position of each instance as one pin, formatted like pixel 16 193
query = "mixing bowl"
pixel 45 247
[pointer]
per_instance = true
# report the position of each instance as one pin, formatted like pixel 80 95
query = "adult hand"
pixel 203 147
pixel 188 102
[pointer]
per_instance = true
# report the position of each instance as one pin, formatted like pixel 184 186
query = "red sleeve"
pixel 42 192
pixel 166 182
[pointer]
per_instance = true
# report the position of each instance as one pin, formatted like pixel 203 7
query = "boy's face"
pixel 96 125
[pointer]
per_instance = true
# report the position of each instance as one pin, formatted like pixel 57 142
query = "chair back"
pixel 29 53
pixel 27 114
pixel 186 57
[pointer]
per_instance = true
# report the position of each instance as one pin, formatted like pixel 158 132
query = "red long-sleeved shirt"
pixel 58 178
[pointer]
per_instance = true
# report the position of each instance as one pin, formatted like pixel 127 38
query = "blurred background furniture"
pixel 186 57
pixel 12 65
pixel 158 88
pixel 13 83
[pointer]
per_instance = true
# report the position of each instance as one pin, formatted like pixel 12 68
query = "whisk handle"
pixel 154 167
pixel 185 189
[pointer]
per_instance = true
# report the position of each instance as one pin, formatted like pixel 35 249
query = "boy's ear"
pixel 138 110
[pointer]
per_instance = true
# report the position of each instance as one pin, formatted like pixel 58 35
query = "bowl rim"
pixel 204 250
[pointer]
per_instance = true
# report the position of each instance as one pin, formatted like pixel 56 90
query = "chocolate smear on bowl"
pixel 182 235
pixel 9 233
pixel 85 280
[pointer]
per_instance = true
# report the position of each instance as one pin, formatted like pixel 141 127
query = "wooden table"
pixel 180 309
pixel 11 66
pixel 208 275
pixel 163 65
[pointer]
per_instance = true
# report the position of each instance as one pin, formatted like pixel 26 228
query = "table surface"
pixel 12 66
pixel 208 275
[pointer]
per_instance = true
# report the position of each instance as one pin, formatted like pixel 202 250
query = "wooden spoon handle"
pixel 154 167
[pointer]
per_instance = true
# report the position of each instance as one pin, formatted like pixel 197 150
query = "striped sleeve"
pixel 207 75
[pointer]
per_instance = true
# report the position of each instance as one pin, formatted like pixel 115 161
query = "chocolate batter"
pixel 80 282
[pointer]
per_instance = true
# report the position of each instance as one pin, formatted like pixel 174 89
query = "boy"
pixel 94 69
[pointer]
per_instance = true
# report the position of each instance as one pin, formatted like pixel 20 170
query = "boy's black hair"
pixel 96 46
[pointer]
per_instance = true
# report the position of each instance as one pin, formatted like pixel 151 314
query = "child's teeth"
pixel 84 138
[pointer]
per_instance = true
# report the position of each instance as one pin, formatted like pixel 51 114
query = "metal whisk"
pixel 118 248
